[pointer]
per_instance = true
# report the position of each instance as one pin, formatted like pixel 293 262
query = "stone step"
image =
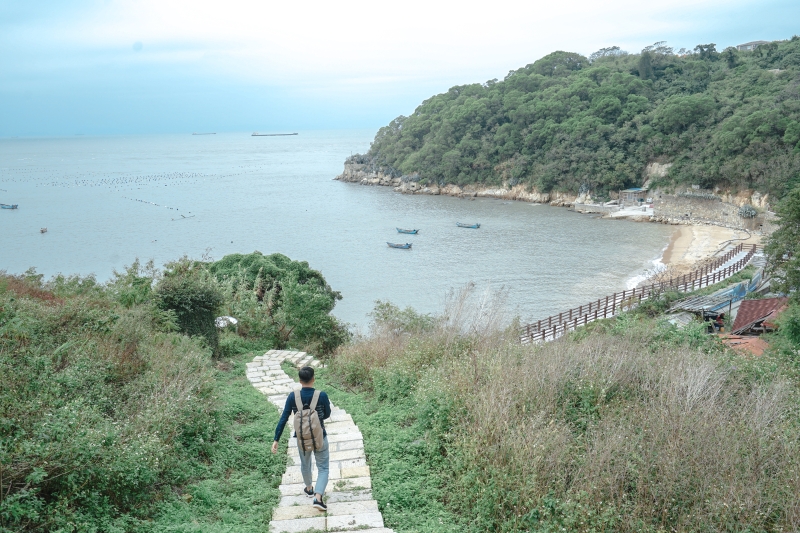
pixel 298 526
pixel 352 508
pixel 294 512
pixel 330 497
pixel 350 522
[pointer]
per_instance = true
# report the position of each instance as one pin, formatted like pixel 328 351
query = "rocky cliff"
pixel 366 174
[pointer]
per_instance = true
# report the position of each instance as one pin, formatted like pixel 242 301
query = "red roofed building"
pixel 757 316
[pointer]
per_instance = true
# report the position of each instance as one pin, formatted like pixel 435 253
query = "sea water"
pixel 106 201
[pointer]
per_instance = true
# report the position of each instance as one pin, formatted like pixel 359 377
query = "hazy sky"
pixel 142 66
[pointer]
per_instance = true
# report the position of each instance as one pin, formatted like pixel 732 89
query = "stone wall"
pixel 677 209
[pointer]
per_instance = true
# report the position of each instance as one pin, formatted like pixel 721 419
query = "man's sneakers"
pixel 309 492
pixel 319 505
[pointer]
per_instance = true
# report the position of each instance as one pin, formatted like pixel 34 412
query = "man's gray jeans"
pixel 322 457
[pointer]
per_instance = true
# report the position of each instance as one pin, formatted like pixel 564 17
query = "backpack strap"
pixel 297 401
pixel 314 400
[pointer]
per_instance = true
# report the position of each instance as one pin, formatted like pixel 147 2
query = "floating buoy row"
pixel 152 203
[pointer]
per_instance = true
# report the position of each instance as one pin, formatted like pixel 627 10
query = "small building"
pixel 632 196
pixel 752 45
pixel 757 316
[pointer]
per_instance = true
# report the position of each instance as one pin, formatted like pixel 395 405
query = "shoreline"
pixel 694 244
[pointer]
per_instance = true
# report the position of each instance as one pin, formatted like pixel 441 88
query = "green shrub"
pixel 188 290
pixel 280 300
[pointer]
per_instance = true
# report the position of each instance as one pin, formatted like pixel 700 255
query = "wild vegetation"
pixel 627 425
pixel 122 408
pixel 571 123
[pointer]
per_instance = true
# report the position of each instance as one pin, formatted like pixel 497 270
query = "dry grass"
pixel 622 431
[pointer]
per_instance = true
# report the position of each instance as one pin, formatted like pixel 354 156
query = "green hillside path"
pixel 349 492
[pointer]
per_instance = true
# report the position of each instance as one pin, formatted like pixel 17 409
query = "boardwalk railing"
pixel 608 306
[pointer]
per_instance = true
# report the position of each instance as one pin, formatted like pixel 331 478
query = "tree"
pixel 646 66
pixel 188 290
pixel 731 57
pixel 783 246
pixel 560 64
pixel 707 51
pixel 280 299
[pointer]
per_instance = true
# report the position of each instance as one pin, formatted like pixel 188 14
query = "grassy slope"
pixel 239 487
pixel 110 421
pixel 602 432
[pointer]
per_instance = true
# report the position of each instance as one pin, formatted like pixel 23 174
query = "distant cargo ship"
pixel 256 134
pixel 204 133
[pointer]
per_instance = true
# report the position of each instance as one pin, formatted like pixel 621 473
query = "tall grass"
pixel 112 421
pixel 632 427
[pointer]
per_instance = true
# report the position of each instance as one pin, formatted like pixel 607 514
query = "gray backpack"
pixel 307 426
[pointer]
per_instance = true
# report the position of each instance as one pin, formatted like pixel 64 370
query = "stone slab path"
pixel 349 492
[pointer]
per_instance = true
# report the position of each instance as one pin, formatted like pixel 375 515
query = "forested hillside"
pixel 571 123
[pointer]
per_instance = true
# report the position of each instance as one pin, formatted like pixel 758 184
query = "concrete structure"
pixel 752 45
pixel 698 207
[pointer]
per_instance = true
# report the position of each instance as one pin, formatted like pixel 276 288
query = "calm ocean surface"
pixel 109 200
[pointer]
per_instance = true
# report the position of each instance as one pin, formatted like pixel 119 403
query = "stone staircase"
pixel 349 493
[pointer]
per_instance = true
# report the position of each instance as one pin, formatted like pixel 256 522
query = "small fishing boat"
pixel 405 246
pixel 408 231
pixel 43 230
pixel 471 226
pixel 9 206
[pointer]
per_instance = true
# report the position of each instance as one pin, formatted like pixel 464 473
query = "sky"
pixel 169 66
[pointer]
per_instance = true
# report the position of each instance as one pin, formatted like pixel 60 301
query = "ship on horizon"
pixel 256 134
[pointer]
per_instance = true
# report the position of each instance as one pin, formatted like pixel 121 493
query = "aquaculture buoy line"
pixel 152 203
pixel 42 178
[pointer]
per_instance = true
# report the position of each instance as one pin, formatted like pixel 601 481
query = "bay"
pixel 108 200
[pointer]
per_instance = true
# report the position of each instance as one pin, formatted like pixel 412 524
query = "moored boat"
pixel 471 226
pixel 9 206
pixel 408 231
pixel 405 246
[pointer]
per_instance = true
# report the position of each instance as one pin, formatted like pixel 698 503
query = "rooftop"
pixel 753 42
pixel 753 311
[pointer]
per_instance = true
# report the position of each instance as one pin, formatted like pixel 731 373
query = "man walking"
pixel 321 455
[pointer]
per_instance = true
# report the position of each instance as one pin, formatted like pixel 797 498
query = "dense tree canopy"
pixel 729 119
pixel 783 246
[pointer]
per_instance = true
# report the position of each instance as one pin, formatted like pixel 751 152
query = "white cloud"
pixel 277 42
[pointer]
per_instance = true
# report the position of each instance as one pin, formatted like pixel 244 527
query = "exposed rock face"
pixel 365 175
pixel 657 170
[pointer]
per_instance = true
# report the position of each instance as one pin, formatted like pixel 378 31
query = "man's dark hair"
pixel 306 374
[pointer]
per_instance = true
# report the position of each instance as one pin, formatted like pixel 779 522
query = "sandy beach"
pixel 692 244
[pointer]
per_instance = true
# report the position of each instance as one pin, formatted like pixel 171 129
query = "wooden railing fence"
pixel 556 325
